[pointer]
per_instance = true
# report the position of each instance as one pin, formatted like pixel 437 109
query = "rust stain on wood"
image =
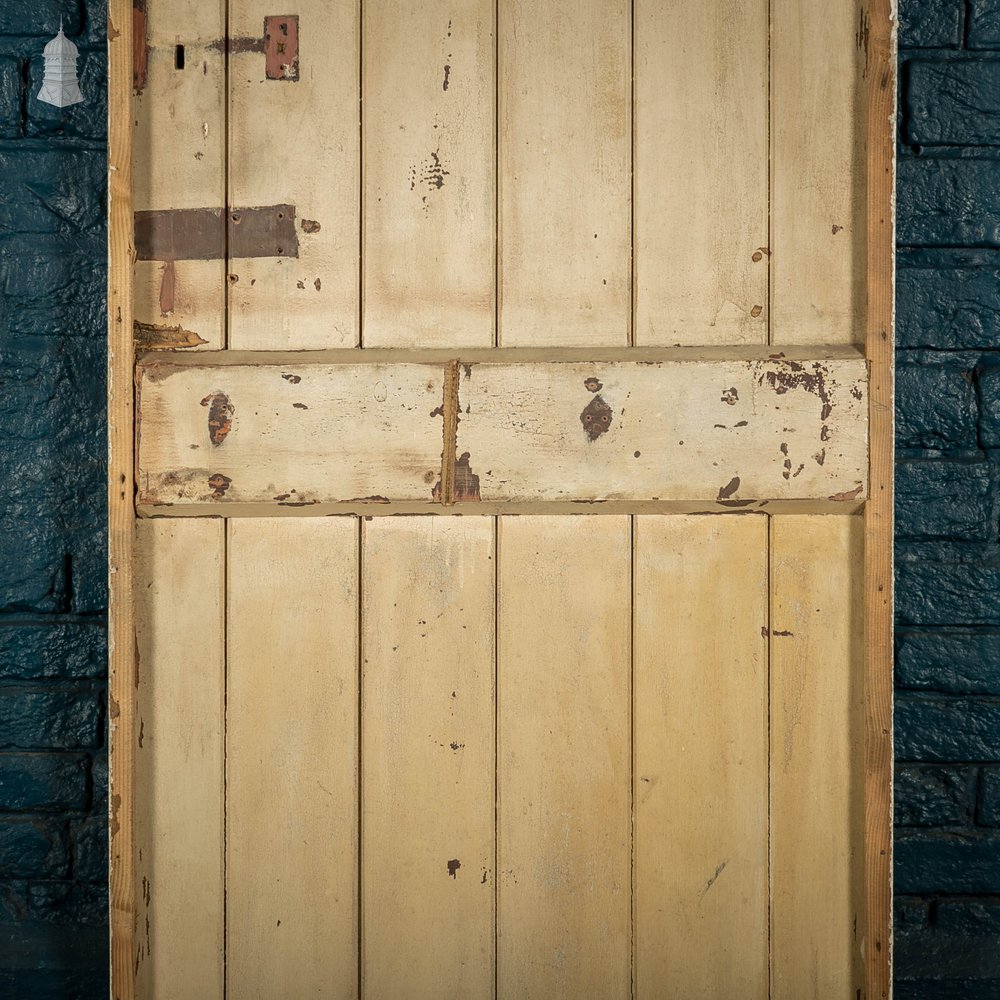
pixel 596 418
pixel 281 47
pixel 466 482
pixel 200 233
pixel 218 484
pixel 149 337
pixel 220 416
pixel 168 288
pixel 140 48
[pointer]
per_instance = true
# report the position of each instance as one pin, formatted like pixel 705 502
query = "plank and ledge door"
pixel 550 265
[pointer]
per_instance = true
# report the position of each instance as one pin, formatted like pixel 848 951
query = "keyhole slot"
pixel 179 57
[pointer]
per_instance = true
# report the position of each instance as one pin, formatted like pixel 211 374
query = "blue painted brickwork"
pixel 53 764
pixel 52 596
pixel 948 503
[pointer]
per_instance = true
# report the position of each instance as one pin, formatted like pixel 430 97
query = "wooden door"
pixel 501 521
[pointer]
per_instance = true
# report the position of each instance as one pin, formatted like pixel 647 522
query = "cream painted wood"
pixel 701 757
pixel 428 758
pixel 297 142
pixel 179 763
pixel 298 434
pixel 701 172
pixel 564 758
pixel 429 173
pixel 737 432
pixel 818 128
pixel 817 757
pixel 292 759
pixel 180 140
pixel 564 162
pixel 729 430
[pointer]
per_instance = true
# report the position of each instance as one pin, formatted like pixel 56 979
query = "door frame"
pixel 877 38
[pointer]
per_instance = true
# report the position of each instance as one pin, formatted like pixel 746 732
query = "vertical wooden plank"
pixel 818 54
pixel 701 172
pixel 701 757
pixel 179 816
pixel 121 515
pixel 179 147
pixel 291 758
pixel 564 757
pixel 881 153
pixel 817 748
pixel 294 140
pixel 429 128
pixel 428 758
pixel 564 172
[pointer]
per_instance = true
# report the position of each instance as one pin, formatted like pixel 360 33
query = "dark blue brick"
pixel 968 916
pixel 10 98
pixel 53 191
pixel 33 848
pixel 40 17
pixel 52 650
pixel 937 989
pixel 984 23
pixel 989 407
pixel 949 308
pixel 87 119
pixel 43 782
pixel 947 728
pixel 947 583
pixel 61 902
pixel 933 796
pixel 43 719
pixel 930 24
pixel 949 863
pixel 988 812
pixel 948 202
pixel 955 660
pixel 937 407
pixel 69 982
pixel 934 954
pixel 953 102
pixel 911 912
pixel 937 499
pixel 89 839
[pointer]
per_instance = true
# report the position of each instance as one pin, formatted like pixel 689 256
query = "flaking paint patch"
pixel 794 375
pixel 218 484
pixel 596 418
pixel 150 337
pixel 220 416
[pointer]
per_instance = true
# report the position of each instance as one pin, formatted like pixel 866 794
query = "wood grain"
pixel 428 758
pixel 292 759
pixel 297 434
pixel 180 148
pixel 297 142
pixel 564 758
pixel 180 759
pixel 429 130
pixel 817 172
pixel 121 516
pixel 733 433
pixel 880 74
pixel 728 431
pixel 564 161
pixel 817 757
pixel 700 186
pixel 700 782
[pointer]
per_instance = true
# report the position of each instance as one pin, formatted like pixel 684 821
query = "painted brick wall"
pixel 52 596
pixel 53 765
pixel 948 503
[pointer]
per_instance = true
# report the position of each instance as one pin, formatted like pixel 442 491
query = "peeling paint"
pixel 596 418
pixel 453 867
pixel 149 337
pixel 725 492
pixel 220 416
pixel 218 484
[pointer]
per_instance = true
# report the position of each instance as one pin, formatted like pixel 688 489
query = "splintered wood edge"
pixel 121 518
pixel 878 38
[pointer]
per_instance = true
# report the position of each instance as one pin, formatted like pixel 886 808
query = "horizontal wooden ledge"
pixel 487 508
pixel 163 353
pixel 310 435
